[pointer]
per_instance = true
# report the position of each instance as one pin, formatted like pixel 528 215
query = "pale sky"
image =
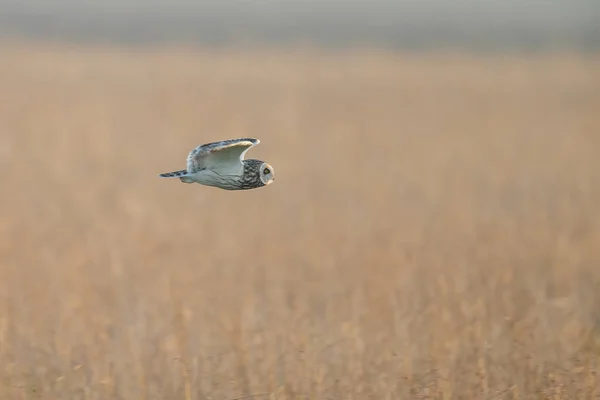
pixel 393 22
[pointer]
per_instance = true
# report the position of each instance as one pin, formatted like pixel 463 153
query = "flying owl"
pixel 222 165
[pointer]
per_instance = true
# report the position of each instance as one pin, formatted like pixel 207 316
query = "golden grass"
pixel 433 231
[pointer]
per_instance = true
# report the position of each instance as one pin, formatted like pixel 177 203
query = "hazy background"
pixel 522 24
pixel 433 231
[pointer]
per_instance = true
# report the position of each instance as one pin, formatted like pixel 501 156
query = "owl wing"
pixel 224 157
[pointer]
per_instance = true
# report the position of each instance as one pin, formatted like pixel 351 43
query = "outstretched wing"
pixel 224 157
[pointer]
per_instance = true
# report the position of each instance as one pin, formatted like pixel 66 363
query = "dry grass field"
pixel 433 232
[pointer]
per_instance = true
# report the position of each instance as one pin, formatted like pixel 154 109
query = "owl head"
pixel 266 173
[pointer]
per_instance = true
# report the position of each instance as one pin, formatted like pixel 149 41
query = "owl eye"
pixel 266 171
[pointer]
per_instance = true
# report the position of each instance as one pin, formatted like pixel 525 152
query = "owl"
pixel 222 165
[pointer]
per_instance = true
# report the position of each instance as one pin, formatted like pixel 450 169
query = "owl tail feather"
pixel 177 174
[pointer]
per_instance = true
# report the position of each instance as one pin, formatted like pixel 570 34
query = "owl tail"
pixel 177 174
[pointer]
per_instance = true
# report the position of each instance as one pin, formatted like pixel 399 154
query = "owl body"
pixel 222 165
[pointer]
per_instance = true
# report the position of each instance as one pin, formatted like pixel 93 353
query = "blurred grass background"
pixel 433 231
